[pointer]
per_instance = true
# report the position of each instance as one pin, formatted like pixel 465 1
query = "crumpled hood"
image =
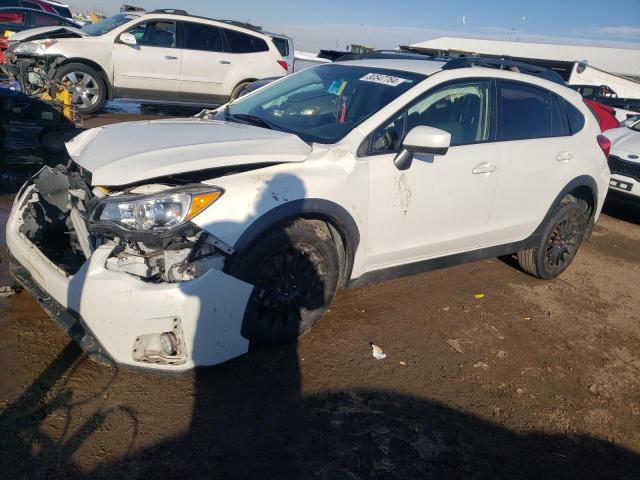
pixel 624 141
pixel 125 153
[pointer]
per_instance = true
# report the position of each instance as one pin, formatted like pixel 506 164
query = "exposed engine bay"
pixel 57 218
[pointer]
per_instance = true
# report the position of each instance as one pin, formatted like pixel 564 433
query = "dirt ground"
pixel 534 380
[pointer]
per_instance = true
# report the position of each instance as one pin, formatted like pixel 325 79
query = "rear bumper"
pixel 106 312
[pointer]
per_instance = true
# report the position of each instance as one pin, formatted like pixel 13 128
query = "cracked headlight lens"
pixel 161 211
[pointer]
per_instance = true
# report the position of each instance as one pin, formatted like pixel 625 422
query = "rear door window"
pixel 43 20
pixel 243 43
pixel 525 112
pixel 206 38
pixel 155 33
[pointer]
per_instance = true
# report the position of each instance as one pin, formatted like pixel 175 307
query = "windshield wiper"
pixel 251 119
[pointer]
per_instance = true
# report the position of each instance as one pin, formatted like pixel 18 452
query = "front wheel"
pixel 88 88
pixel 559 242
pixel 294 269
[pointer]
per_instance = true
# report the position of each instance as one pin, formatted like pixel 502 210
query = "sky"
pixel 331 24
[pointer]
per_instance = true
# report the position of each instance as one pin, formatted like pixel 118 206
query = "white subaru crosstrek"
pixel 164 55
pixel 175 243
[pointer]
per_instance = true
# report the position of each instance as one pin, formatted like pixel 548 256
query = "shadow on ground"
pixel 250 421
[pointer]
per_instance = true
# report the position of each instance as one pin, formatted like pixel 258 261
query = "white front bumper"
pixel 117 307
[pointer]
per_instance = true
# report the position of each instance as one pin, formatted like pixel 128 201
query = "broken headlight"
pixel 161 211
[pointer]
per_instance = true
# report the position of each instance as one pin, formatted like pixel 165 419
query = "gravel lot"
pixel 534 380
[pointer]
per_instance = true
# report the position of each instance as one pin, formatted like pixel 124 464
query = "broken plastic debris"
pixel 377 352
pixel 479 295
pixel 455 344
pixel 404 364
pixel 7 291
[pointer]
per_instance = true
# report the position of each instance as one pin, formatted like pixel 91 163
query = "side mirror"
pixel 425 140
pixel 128 39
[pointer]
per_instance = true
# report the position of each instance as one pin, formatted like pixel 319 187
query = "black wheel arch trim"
pixel 309 208
pixel 581 181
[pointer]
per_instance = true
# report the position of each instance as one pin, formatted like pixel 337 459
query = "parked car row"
pixel 165 55
pixel 172 244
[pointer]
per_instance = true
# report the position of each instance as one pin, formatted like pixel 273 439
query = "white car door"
pixel 441 204
pixel 151 68
pixel 537 159
pixel 205 64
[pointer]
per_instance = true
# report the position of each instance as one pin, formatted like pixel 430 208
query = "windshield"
pixel 108 24
pixel 324 103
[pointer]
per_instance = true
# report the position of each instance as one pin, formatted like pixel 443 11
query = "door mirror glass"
pixel 422 140
pixel 128 39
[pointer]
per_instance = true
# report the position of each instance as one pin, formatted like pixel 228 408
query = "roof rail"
pixel 503 64
pixel 250 26
pixel 385 54
pixel 172 11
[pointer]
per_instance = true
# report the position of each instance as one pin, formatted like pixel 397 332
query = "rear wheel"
pixel 294 269
pixel 559 242
pixel 88 87
pixel 238 90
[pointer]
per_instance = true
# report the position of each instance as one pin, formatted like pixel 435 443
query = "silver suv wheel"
pixel 86 90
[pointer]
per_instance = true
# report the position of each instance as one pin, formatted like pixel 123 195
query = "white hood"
pixel 125 153
pixel 46 32
pixel 624 141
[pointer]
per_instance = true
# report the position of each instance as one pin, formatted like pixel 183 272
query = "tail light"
pixel 284 65
pixel 605 145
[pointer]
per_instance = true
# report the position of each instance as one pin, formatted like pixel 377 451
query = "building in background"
pixel 621 62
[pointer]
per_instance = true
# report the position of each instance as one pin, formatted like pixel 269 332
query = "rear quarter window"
pixel 282 45
pixel 243 43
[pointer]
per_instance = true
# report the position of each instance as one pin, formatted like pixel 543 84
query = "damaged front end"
pixel 145 283
pixel 148 226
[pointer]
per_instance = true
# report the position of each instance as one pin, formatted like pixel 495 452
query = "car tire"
pixel 238 90
pixel 294 269
pixel 90 89
pixel 559 242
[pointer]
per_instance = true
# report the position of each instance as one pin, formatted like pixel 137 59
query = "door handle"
pixel 484 168
pixel 564 156
pixel 224 62
pixel 170 57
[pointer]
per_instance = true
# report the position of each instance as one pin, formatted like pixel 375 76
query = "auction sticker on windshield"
pixel 383 79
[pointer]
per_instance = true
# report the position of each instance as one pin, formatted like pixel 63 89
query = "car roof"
pixel 197 18
pixel 426 67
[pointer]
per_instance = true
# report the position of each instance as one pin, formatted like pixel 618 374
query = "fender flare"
pixel 309 208
pixel 581 181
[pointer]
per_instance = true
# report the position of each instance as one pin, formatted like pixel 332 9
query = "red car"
pixel 17 19
pixel 604 113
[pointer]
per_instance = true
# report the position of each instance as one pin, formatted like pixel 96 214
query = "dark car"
pixel 42 5
pixel 15 19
